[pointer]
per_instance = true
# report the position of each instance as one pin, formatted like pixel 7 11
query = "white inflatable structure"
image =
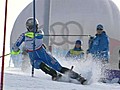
pixel 78 17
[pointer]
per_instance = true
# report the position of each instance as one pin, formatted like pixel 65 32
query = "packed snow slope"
pixel 15 79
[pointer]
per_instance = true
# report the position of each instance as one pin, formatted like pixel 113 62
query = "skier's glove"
pixel 15 52
pixel 91 37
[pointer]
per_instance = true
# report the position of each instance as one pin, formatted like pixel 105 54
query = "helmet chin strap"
pixel 32 29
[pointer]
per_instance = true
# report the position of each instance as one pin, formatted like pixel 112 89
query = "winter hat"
pixel 99 27
pixel 78 42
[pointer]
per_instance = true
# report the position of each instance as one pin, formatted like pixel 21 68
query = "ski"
pixel 66 78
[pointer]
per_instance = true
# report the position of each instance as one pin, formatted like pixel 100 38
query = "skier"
pixel 99 45
pixel 77 52
pixel 39 58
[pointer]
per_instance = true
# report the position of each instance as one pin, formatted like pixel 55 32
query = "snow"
pixel 15 79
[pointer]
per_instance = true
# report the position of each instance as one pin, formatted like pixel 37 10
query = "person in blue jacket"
pixel 77 52
pixel 39 58
pixel 99 45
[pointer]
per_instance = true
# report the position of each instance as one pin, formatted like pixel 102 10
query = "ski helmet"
pixel 30 24
pixel 99 27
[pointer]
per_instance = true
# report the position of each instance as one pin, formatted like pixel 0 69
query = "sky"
pixel 117 2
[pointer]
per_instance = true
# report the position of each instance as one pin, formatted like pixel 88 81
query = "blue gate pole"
pixel 34 36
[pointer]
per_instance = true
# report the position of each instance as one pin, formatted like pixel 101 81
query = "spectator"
pixel 77 52
pixel 99 45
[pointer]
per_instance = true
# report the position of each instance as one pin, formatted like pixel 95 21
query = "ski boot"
pixel 77 76
pixel 82 80
pixel 73 75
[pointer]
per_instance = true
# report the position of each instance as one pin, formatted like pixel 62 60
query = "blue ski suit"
pixel 39 54
pixel 99 46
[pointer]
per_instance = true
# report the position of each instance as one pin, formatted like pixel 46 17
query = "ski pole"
pixel 5 55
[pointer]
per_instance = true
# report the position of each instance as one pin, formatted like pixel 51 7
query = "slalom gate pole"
pixel 3 54
pixel 34 36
